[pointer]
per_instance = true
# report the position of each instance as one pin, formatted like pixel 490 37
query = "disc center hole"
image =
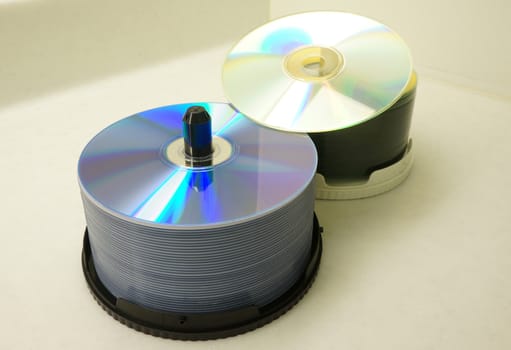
pixel 314 65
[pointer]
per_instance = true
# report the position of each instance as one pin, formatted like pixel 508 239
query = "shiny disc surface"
pixel 317 71
pixel 125 171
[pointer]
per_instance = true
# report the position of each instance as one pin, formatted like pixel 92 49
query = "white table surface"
pixel 426 266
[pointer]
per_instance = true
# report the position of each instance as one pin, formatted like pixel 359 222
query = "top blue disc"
pixel 126 169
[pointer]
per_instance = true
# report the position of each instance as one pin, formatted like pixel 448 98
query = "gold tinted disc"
pixel 317 71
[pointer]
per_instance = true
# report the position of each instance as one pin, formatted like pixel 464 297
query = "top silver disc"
pixel 317 71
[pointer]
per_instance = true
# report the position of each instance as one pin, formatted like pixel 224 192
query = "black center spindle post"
pixel 197 136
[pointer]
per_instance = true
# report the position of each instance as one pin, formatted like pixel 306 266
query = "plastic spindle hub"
pixel 197 132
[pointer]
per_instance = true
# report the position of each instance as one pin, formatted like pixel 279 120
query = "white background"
pixel 426 266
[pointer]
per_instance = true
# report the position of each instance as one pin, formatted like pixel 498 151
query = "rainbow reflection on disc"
pixel 317 71
pixel 125 170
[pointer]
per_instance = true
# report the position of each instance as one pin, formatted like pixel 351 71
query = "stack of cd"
pixel 198 247
pixel 344 79
pixel 200 221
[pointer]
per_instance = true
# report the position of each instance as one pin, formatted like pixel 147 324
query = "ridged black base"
pixel 199 326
